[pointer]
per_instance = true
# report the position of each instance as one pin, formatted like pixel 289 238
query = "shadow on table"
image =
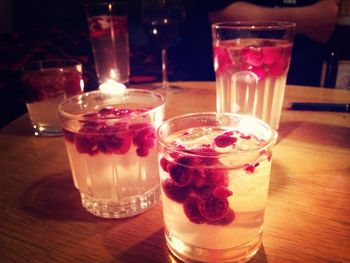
pixel 279 178
pixel 55 197
pixel 150 249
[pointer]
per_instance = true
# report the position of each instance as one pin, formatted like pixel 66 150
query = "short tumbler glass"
pixel 251 62
pixel 111 144
pixel 214 171
pixel 45 85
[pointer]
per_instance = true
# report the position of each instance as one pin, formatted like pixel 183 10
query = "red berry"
pixel 221 192
pixel 188 161
pixel 181 175
pixel 145 137
pixel 222 57
pixel 68 135
pixel 278 67
pixel 260 72
pixel 213 208
pixel 215 177
pixel 224 140
pixel 174 192
pixel 227 219
pixel 142 152
pixel 250 168
pixel 191 210
pixel 245 136
pixel 83 144
pixel 252 56
pixel 270 54
pixel 164 164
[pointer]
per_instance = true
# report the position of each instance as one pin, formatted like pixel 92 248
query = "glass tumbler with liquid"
pixel 111 144
pixel 251 62
pixel 214 172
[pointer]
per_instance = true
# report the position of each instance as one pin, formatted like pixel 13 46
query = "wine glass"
pixel 162 19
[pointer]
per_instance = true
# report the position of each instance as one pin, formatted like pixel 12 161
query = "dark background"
pixel 43 29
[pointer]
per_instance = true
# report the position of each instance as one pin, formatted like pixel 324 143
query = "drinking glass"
pixel 110 141
pixel 162 19
pixel 251 62
pixel 108 28
pixel 214 170
pixel 45 84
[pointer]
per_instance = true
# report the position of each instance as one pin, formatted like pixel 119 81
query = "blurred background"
pixel 36 29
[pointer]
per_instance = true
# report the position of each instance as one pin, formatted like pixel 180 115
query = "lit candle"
pixel 111 86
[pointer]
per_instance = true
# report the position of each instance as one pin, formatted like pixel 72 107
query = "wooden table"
pixel 307 216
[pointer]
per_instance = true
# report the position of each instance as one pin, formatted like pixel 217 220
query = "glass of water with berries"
pixel 214 172
pixel 251 62
pixel 111 144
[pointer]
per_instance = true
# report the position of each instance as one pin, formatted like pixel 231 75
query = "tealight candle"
pixel 112 86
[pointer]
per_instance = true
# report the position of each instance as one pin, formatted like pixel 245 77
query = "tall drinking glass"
pixel 108 29
pixel 162 20
pixel 110 141
pixel 214 171
pixel 251 62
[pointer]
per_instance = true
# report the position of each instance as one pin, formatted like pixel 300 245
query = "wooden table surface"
pixel 307 216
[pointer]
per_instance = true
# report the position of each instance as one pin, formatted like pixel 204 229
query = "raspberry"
pixel 221 192
pixel 227 219
pixel 213 208
pixel 174 192
pixel 249 168
pixel 181 175
pixel 86 139
pixel 142 152
pixel 252 56
pixel 260 72
pixel 278 67
pixel 192 212
pixel 68 135
pixel 224 140
pixel 83 144
pixel 217 177
pixel 245 136
pixel 187 161
pixel 113 144
pixel 270 54
pixel 145 137
pixel 164 164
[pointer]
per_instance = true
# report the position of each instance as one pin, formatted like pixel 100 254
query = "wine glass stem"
pixel 164 68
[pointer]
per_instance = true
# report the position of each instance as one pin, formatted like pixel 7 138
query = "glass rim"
pixel 169 146
pixel 45 64
pixel 78 97
pixel 255 25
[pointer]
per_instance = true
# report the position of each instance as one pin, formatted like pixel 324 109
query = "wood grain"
pixel 307 215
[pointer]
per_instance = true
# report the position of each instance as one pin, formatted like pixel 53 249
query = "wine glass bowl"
pixel 162 20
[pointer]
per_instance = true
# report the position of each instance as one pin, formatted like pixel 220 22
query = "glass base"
pixel 123 208
pixel 189 253
pixel 46 131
